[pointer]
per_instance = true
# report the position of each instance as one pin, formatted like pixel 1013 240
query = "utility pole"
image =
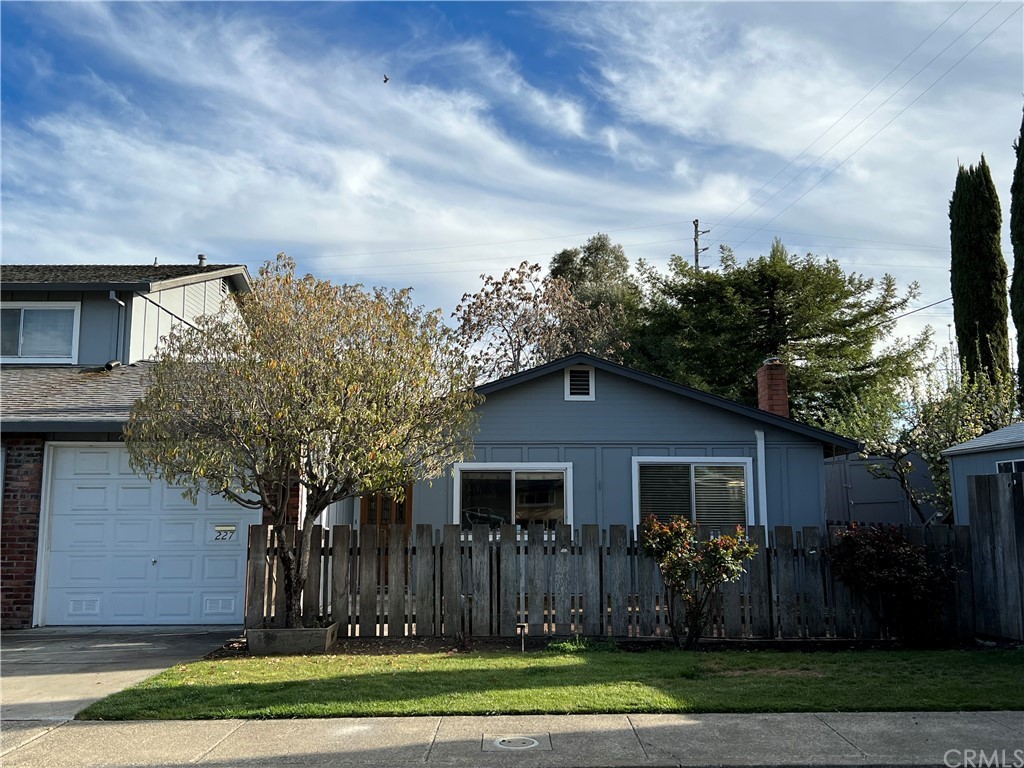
pixel 697 250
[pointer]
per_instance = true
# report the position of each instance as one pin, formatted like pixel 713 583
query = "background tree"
pixel 346 391
pixel 524 319
pixel 1017 240
pixel 713 329
pixel 597 273
pixel 978 273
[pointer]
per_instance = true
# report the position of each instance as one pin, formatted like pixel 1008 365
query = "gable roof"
pixel 64 398
pixel 834 444
pixel 1007 437
pixel 118 277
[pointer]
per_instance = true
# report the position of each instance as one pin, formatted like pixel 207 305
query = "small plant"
pixel 692 570
pixel 893 578
pixel 578 644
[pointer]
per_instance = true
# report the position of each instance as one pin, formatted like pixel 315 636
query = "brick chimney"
pixel 773 388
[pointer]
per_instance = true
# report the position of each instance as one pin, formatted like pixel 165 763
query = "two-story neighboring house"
pixel 85 540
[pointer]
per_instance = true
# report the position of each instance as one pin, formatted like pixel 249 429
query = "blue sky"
pixel 134 131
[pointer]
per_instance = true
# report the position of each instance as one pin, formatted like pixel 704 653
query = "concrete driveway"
pixel 52 673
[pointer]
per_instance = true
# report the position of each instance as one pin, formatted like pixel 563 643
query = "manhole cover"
pixel 516 742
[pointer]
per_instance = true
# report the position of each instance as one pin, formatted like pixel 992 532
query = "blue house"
pixel 582 440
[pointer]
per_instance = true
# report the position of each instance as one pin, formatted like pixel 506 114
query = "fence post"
pixel 785 582
pixel 509 573
pixel 424 580
pixel 535 579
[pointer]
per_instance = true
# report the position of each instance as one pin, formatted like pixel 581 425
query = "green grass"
pixel 574 682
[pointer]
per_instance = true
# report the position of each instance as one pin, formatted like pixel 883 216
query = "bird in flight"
pixel 386 78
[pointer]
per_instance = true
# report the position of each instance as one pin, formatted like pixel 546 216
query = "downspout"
pixel 762 483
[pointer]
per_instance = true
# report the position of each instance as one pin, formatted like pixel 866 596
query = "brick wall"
pixel 19 528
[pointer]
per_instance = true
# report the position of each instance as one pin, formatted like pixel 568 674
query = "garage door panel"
pixel 176 568
pixel 175 606
pixel 223 568
pixel 124 551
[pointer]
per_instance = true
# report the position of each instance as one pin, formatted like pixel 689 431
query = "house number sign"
pixel 224 532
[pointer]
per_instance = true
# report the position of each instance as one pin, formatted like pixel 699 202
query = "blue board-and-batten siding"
pixel 532 422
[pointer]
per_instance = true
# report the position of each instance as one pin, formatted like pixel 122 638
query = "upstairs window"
pixel 39 332
pixel 579 383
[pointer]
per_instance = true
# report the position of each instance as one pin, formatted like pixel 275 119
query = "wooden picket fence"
pixel 592 582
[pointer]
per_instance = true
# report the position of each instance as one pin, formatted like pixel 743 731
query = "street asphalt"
pixel 48 675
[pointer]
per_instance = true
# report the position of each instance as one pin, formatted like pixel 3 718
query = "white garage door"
pixel 124 550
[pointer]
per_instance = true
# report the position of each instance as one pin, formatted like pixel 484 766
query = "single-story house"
pixel 582 440
pixel 84 539
pixel 995 453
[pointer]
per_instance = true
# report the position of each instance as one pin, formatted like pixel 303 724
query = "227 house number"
pixel 224 536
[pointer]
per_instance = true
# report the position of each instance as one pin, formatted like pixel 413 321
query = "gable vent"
pixel 579 383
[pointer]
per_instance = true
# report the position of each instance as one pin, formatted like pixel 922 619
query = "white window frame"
pixel 736 461
pixel 1011 462
pixel 75 305
pixel 513 467
pixel 580 398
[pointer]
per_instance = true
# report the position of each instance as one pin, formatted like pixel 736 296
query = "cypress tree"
pixel 978 273
pixel 1017 239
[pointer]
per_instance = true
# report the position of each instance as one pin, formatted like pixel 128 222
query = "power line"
pixel 842 138
pixel 890 122
pixel 838 120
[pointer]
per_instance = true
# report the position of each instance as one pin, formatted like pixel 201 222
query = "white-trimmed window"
pixel 521 494
pixel 579 382
pixel 714 492
pixel 39 331
pixel 1006 467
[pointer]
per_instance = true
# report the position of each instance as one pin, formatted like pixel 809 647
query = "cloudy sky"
pixel 134 131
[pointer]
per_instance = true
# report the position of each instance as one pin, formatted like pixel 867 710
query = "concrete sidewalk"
pixel 994 739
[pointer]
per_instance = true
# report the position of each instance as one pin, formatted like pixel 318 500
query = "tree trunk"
pixel 292 582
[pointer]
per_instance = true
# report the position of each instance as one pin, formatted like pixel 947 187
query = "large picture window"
pixel 711 492
pixel 520 494
pixel 39 332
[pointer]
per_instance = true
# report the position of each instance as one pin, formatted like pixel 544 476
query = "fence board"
pixel 618 579
pixel 564 581
pixel 646 578
pixel 732 623
pixel 761 623
pixel 311 593
pixel 256 578
pixel 451 581
pixel 368 570
pixel 939 553
pixel 591 578
pixel 397 573
pixel 341 582
pixel 964 581
pixel 535 586
pixel 814 584
pixel 509 578
pixel 424 584
pixel 842 600
pixel 436 558
pixel 785 582
pixel 481 554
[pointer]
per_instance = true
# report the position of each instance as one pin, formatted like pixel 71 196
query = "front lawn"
pixel 507 682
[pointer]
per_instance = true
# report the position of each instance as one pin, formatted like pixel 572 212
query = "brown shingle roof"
pixel 102 276
pixel 50 397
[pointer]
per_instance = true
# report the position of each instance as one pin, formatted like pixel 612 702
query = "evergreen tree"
pixel 978 273
pixel 712 330
pixel 1017 239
